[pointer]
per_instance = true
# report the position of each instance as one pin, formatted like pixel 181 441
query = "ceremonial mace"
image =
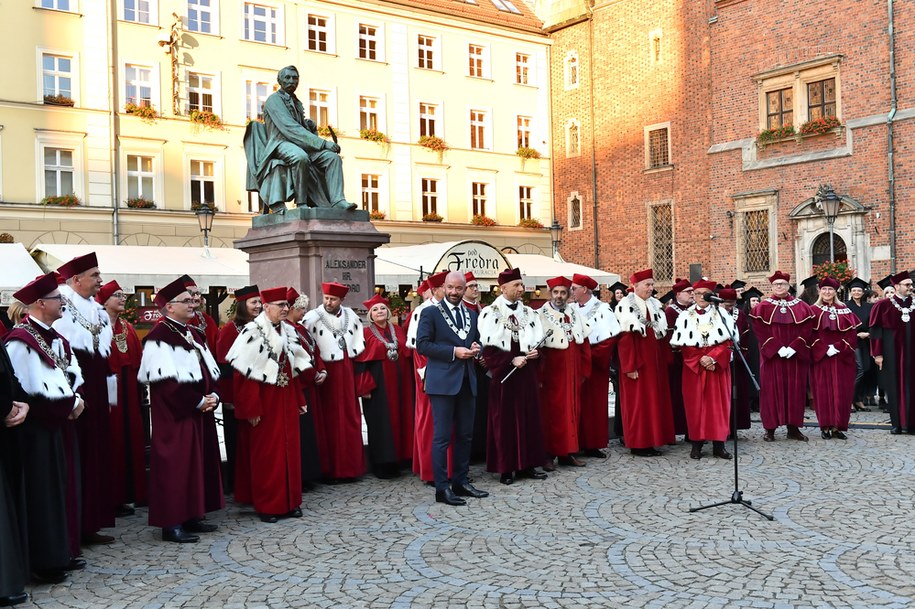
pixel 548 334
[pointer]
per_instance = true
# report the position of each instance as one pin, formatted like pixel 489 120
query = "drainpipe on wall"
pixel 113 123
pixel 593 141
pixel 889 135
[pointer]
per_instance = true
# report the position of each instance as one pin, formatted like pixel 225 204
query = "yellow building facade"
pixel 138 109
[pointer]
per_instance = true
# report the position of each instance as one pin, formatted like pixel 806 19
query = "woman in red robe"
pixel 386 372
pixel 128 441
pixel 835 338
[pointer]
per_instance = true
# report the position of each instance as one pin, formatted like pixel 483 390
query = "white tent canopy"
pixel 153 266
pixel 16 269
pixel 536 269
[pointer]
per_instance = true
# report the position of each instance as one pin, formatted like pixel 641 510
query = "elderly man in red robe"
pixel 594 423
pixel 338 333
pixel 566 361
pixel 128 440
pixel 893 349
pixel 683 300
pixel 87 327
pixel 783 327
pixel 269 397
pixel 181 374
pixel 703 336
pixel 643 353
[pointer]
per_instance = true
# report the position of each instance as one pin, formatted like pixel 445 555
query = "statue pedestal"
pixel 308 246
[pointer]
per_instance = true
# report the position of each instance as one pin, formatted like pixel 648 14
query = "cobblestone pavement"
pixel 616 533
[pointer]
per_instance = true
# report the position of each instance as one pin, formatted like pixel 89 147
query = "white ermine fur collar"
pixel 79 337
pixel 600 317
pixel 576 330
pixel 37 377
pixel 258 347
pixel 413 329
pixel 162 362
pixel 497 331
pixel 327 329
pixel 631 318
pixel 706 330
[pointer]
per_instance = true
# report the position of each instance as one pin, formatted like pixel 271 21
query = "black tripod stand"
pixel 737 496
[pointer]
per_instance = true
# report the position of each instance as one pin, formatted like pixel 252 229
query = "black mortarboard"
pixel 750 293
pixel 886 282
pixel 792 290
pixel 857 282
pixel 667 297
pixel 618 286
pixel 811 282
pixel 737 284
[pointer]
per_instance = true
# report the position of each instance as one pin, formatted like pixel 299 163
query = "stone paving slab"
pixel 617 533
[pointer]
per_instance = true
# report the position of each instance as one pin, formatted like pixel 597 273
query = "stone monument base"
pixel 308 246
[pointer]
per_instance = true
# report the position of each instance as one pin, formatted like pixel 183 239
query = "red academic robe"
pixel 184 473
pixel 783 382
pixel 339 422
pixel 562 374
pixel 892 339
pixel 707 393
pixel 834 376
pixel 675 375
pixel 593 429
pixel 128 441
pixel 389 408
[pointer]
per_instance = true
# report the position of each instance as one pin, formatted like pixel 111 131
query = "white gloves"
pixel 832 351
pixel 786 352
pixel 113 390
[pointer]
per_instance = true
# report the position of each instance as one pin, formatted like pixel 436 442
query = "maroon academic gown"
pixel 834 376
pixel 209 330
pixel 184 473
pixel 646 400
pixel 561 376
pixel 274 467
pixel 389 409
pixel 675 375
pixel 783 382
pixel 594 427
pixel 338 423
pixel 128 442
pixel 707 393
pixel 892 338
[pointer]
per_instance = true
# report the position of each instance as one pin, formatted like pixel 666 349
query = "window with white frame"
pixel 200 92
pixel 368 113
pixel 203 183
pixel 371 193
pixel 478 198
pixel 427 52
pixel 256 93
pixel 478 124
pixel 141 11
pixel 253 202
pixel 575 215
pixel 138 83
pixel 524 131
pixel 476 55
pixel 56 77
pixel 506 6
pixel 793 95
pixel 522 69
pixel 202 16
pixel 570 70
pixel 319 106
pixel 317 33
pixel 428 119
pixel 262 23
pixel 140 177
pixel 429 187
pixel 657 146
pixel 573 138
pixel 60 5
pixel 59 172
pixel 369 42
pixel 525 202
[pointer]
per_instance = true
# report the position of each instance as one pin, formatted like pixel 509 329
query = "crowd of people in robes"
pixel 523 390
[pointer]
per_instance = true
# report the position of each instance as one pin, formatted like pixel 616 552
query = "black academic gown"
pixel 867 384
pixel 13 541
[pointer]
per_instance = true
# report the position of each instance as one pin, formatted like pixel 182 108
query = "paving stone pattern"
pixel 616 533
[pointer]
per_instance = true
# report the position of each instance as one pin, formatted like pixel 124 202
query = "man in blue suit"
pixel 448 336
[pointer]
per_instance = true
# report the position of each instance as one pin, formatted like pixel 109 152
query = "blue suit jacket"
pixel 434 339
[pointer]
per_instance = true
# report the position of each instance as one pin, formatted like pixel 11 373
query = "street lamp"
pixel 205 215
pixel 831 204
pixel 556 236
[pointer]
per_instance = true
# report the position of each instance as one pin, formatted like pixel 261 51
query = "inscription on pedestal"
pixel 351 272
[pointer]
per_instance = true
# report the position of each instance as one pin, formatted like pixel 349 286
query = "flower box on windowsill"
pixel 531 223
pixel 207 119
pixel 481 220
pixel 62 201
pixel 377 215
pixel 433 218
pixel 799 137
pixel 140 203
pixel 58 100
pixel 142 111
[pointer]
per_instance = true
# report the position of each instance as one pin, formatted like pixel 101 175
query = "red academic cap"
pixel 779 275
pixel 333 288
pixel 682 285
pixel 376 299
pixel 829 282
pixel 468 277
pixel 437 280
pixel 641 276
pixel 423 287
pixel 188 281
pixel 584 280
pixel 900 277
pixel 169 292
pixel 78 265
pixel 39 287
pixel 249 291
pixel 276 294
pixel 557 281
pixel 509 275
pixel 106 291
pixel 702 283
pixel 727 294
pixel 291 295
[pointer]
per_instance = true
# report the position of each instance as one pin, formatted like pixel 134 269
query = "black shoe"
pixel 571 460
pixel 896 431
pixel 769 436
pixel 13 599
pixel 468 490
pixel 825 434
pixel 720 451
pixel 838 434
pixel 596 453
pixel 269 518
pixel 794 433
pixel 531 473
pixel 75 564
pixel 448 497
pixel 696 452
pixel 296 513
pixel 507 479
pixel 178 535
pixel 198 526
pixel 644 452
pixel 97 539
pixel 49 576
pixel 124 510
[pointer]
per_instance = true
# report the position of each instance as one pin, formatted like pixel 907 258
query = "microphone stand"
pixel 737 496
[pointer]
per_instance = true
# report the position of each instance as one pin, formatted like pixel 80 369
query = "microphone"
pixel 712 298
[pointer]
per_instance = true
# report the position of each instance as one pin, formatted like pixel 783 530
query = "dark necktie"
pixel 458 321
